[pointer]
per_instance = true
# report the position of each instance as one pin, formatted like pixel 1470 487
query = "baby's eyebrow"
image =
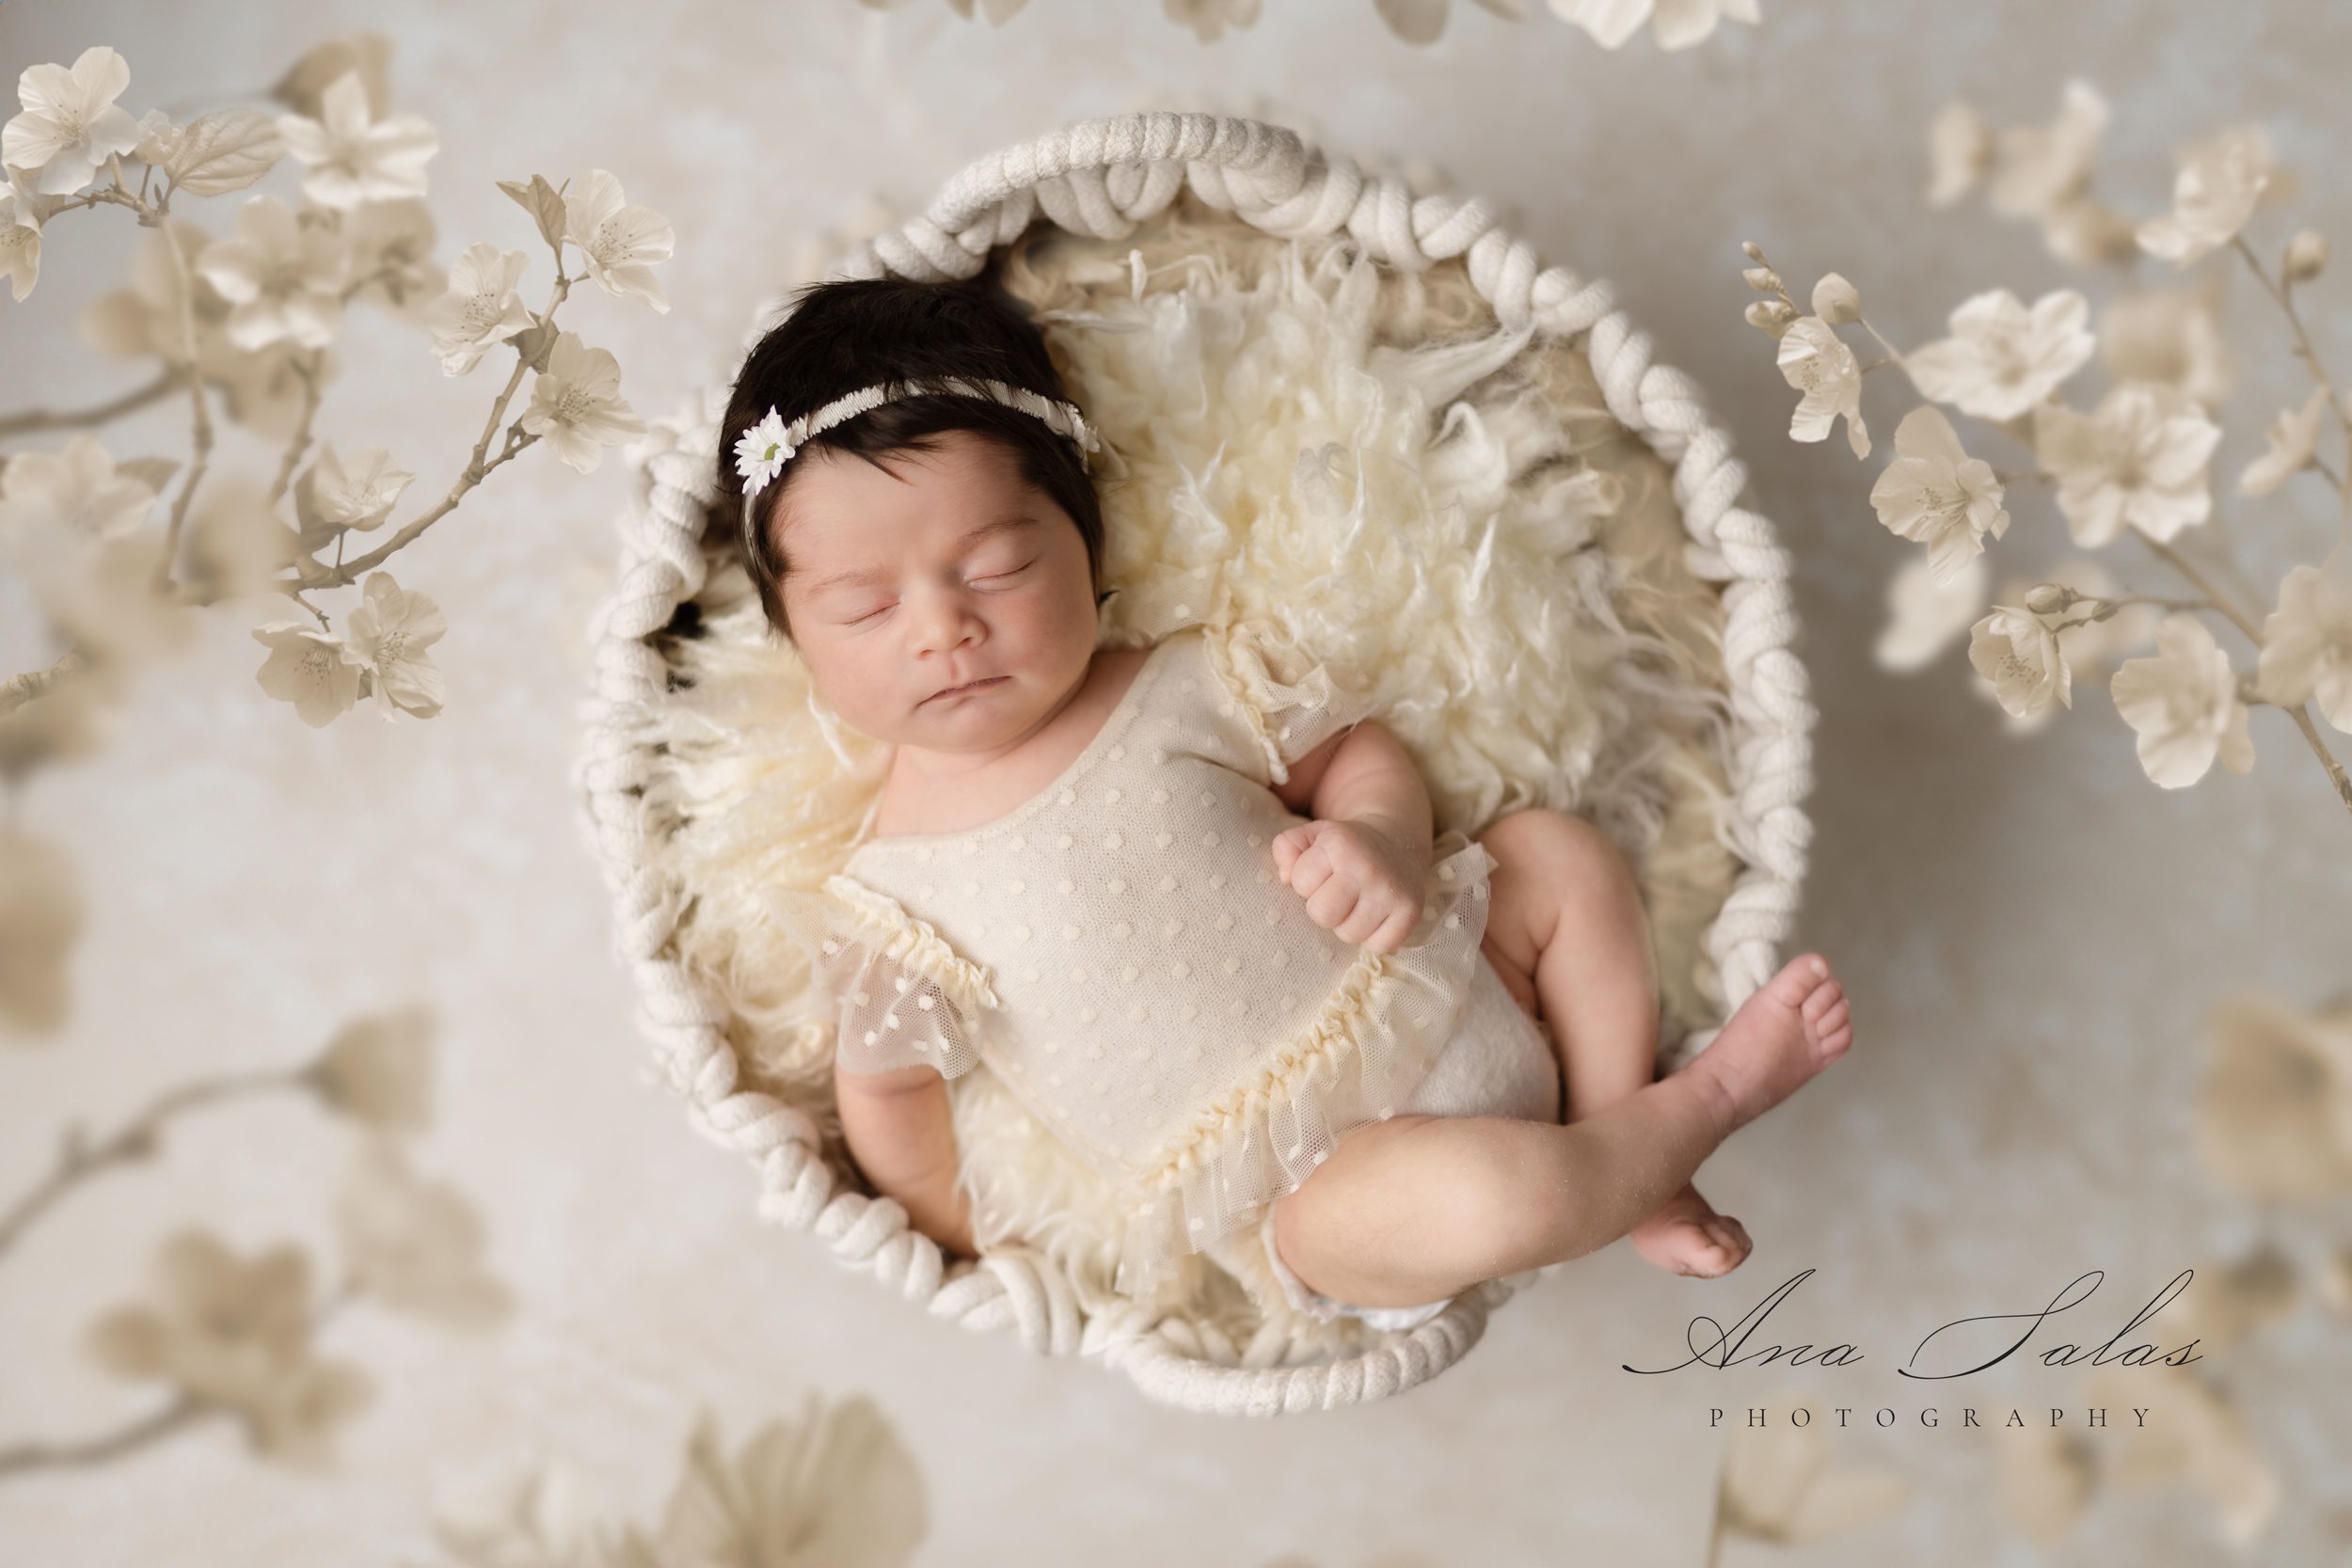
pixel 867 574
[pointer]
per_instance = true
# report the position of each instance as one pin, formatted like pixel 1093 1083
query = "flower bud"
pixel 1764 279
pixel 1771 315
pixel 1755 252
pixel 1837 301
pixel 2306 254
pixel 2050 598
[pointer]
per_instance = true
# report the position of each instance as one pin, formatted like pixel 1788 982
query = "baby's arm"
pixel 902 1136
pixel 1364 778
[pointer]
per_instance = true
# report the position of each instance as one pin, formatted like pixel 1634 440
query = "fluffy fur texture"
pixel 1446 513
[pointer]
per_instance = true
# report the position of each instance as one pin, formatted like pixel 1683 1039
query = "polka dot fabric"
pixel 1121 949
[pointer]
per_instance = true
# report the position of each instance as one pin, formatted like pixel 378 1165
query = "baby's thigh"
pixel 1552 870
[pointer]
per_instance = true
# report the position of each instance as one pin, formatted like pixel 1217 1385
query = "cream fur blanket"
pixel 1446 513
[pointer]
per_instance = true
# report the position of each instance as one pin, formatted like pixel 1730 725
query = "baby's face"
pixel 938 569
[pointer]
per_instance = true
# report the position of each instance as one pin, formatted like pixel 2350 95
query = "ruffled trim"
pixel 1357 1060
pixel 914 944
pixel 1281 715
pixel 901 996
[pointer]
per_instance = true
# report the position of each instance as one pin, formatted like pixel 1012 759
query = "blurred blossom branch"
pixel 254 316
pixel 79 1159
pixel 2138 462
pixel 237 1336
pixel 37 420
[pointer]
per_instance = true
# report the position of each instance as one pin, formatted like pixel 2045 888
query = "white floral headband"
pixel 761 452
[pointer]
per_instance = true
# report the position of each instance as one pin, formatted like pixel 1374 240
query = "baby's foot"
pixel 1686 1236
pixel 1790 1029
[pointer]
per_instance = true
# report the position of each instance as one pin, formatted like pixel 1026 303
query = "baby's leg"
pixel 1568 931
pixel 1418 1208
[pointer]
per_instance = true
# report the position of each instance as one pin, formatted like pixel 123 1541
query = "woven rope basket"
pixel 1102 178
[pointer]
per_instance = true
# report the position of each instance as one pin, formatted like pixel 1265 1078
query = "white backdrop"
pixel 2030 933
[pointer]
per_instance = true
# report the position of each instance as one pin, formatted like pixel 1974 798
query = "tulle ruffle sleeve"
pixel 1287 717
pixel 900 994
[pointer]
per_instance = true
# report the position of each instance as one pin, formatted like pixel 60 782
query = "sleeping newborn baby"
pixel 1185 899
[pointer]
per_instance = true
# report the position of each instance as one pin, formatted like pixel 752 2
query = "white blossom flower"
pixel 2197 1443
pixel 303 89
pixel 2002 358
pixel 309 668
pixel 2085 230
pixel 2138 460
pixel 481 309
pixel 1679 24
pixel 2091 646
pixel 354 157
pixel 2307 641
pixel 42 914
pixel 620 242
pixel 283 280
pixel 70 124
pixel 2173 336
pixel 1960 149
pixel 576 403
pixel 2039 168
pixel 542 1517
pixel 1420 20
pixel 1926 610
pixel 1814 360
pixel 144 318
pixel 236 543
pixel 2273 1115
pixel 390 629
pixel 77 491
pixel 2016 650
pixel 759 455
pixel 379 1070
pixel 392 256
pixel 357 493
pixel 414 1245
pixel 234 1333
pixel 1783 1483
pixel 2294 440
pixel 2219 182
pixel 22 213
pixel 2184 704
pixel 1936 494
pixel 1208 19
pixel 835 1471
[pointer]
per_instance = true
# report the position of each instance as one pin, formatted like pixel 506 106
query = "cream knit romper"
pixel 1122 950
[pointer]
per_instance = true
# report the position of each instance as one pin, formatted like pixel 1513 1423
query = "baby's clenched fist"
pixel 1359 883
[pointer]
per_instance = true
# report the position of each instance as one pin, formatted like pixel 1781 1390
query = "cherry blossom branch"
pixel 2300 712
pixel 35 420
pixel 184 1410
pixel 477 468
pixel 2110 605
pixel 202 439
pixel 2283 292
pixel 307 373
pixel 23 688
pixel 78 1160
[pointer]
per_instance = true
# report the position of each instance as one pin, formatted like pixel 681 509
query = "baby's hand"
pixel 1358 882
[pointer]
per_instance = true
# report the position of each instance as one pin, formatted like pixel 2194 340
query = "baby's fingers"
pixel 1288 845
pixel 1379 922
pixel 1332 903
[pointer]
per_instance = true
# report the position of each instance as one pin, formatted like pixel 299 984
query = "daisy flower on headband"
pixel 761 451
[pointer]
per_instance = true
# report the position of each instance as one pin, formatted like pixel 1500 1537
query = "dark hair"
pixel 848 333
